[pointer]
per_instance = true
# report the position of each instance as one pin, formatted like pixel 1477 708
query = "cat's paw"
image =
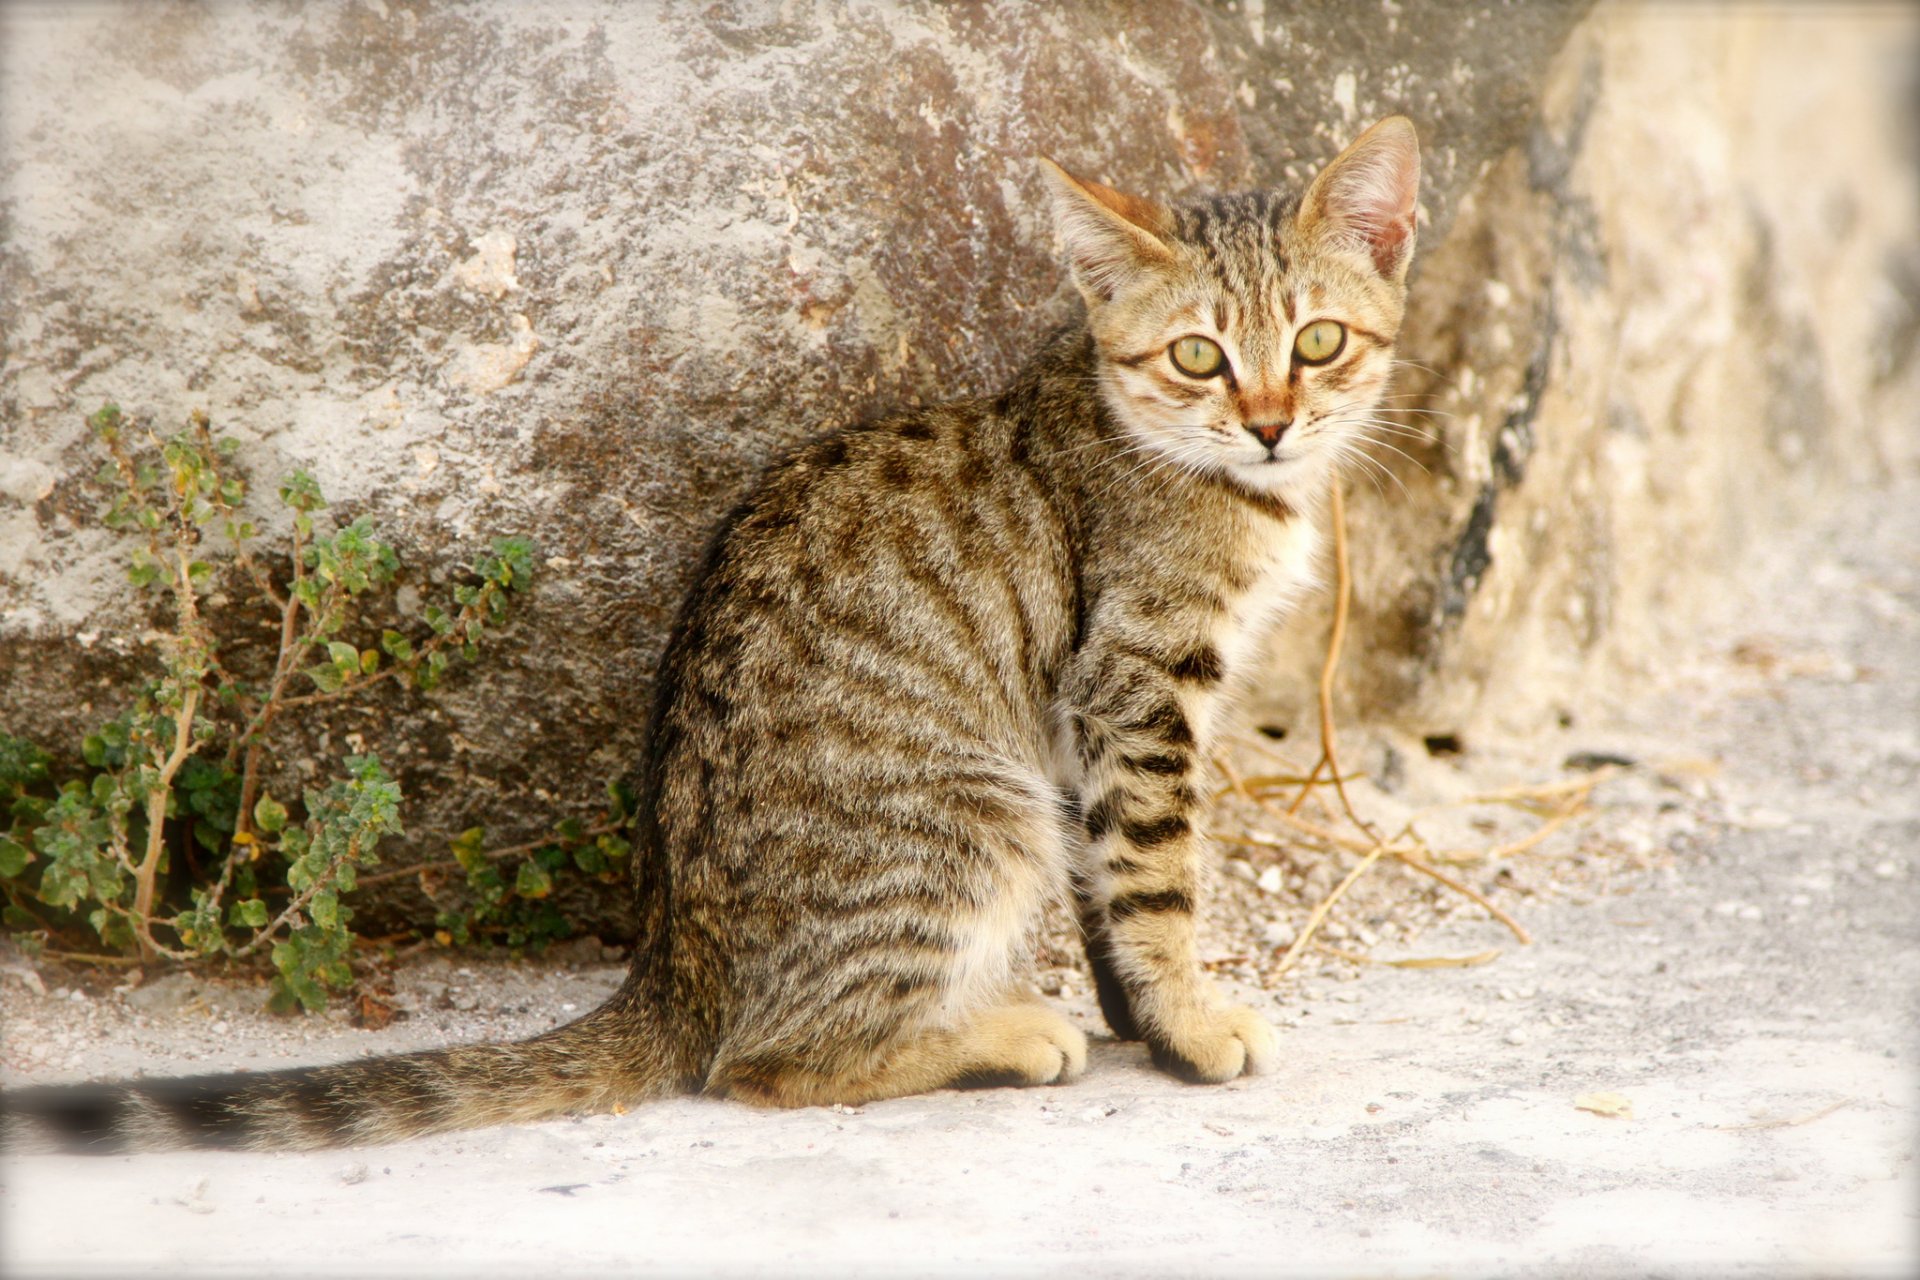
pixel 1027 1044
pixel 1213 1043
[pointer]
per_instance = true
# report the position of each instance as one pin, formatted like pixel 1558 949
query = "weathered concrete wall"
pixel 577 269
pixel 1683 311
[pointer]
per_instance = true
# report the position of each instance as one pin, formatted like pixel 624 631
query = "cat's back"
pixel 853 727
pixel 920 563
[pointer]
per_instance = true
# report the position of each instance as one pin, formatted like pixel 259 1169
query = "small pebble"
pixel 1269 880
pixel 1516 1036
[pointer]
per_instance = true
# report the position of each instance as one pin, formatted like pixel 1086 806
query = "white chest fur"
pixel 1284 560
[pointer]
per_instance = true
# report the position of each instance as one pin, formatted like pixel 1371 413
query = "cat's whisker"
pixel 1420 466
pixel 1391 428
pixel 1429 370
pixel 1346 452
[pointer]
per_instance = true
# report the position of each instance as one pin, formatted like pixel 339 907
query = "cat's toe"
pixel 1056 1054
pixel 1038 1046
pixel 1217 1044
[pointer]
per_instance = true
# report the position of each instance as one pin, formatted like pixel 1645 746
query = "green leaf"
pixel 22 764
pixel 512 563
pixel 369 661
pixel 325 910
pixel 302 492
pixel 533 881
pixel 469 848
pixel 438 620
pixel 344 656
pixel 105 420
pixel 14 857
pixel 397 645
pixel 589 859
pixel 251 914
pixel 269 815
pixel 328 678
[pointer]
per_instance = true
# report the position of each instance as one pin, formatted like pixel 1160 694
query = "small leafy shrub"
pixel 180 776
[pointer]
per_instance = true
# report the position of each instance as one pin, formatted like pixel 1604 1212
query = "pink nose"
pixel 1268 433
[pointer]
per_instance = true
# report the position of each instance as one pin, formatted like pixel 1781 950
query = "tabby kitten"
pixel 939 671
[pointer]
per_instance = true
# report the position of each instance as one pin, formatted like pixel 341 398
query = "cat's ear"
pixel 1109 236
pixel 1364 201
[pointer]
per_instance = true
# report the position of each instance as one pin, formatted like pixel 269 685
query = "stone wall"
pixel 1681 312
pixel 577 270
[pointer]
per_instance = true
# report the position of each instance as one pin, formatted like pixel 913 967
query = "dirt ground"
pixel 1704 1063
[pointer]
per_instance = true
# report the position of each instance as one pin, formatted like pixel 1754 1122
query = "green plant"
pixel 184 770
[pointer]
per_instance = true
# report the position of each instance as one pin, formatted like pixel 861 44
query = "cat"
pixel 939 671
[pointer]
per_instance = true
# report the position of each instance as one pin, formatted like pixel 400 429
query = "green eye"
pixel 1320 341
pixel 1197 357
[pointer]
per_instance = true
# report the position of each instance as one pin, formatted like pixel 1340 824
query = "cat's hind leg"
pixel 1019 1042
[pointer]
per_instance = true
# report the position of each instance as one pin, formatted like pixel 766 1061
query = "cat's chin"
pixel 1299 479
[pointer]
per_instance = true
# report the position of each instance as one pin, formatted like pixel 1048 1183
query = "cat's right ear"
pixel 1365 200
pixel 1109 235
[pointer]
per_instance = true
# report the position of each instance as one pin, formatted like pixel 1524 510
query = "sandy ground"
pixel 1728 948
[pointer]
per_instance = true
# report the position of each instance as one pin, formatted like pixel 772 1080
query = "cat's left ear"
pixel 1109 235
pixel 1364 201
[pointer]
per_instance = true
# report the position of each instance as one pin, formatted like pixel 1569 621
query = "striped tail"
pixel 610 1058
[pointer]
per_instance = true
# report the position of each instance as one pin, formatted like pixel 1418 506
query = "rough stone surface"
pixel 578 270
pixel 1681 313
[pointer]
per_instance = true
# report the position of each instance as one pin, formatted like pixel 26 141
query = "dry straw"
pixel 1556 803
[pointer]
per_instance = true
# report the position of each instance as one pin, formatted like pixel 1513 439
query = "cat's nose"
pixel 1268 433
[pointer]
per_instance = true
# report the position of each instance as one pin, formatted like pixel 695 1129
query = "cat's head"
pixel 1250 335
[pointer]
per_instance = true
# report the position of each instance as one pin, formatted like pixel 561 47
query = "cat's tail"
pixel 613 1057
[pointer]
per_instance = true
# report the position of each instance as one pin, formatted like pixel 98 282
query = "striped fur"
pixel 939 671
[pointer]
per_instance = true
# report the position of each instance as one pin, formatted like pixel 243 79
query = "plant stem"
pixel 145 874
pixel 254 735
pixel 265 934
pixel 491 855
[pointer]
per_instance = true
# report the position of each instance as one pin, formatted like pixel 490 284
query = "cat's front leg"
pixel 1140 876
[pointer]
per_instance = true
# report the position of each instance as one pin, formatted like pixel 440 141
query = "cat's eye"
pixel 1320 341
pixel 1197 357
